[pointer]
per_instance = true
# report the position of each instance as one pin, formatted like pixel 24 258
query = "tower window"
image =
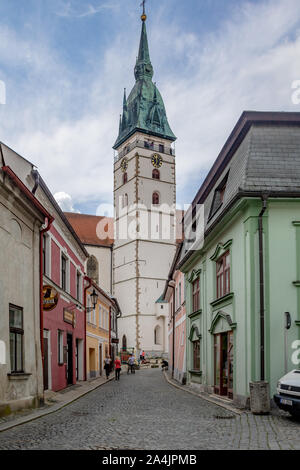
pixel 125 178
pixel 125 201
pixel 155 198
pixel 155 174
pixel 161 148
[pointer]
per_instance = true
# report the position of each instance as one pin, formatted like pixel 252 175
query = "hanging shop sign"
pixel 70 317
pixel 50 298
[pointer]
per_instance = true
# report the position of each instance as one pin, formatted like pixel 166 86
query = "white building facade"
pixel 145 211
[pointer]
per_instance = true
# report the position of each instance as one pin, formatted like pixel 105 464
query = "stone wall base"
pixel 12 406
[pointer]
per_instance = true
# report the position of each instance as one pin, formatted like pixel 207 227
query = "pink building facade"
pixel 64 327
pixel 174 294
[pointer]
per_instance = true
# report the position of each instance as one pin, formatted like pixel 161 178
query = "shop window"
pixel 196 295
pixel 223 275
pixel 16 336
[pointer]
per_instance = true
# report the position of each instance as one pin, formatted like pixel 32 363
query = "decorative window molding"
pixel 223 301
pixel 226 317
pixel 194 275
pixel 221 250
pixel 194 331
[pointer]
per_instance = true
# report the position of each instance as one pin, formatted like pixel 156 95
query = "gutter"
pixel 262 288
pixel 89 280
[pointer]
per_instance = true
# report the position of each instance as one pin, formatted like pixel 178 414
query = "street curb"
pixel 221 405
pixel 55 408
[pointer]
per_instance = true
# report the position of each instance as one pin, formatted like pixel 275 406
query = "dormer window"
pixel 219 196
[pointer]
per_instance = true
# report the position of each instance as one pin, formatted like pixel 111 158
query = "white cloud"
pixel 206 83
pixel 65 202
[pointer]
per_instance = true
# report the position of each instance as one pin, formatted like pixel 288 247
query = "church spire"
pixel 144 109
pixel 143 67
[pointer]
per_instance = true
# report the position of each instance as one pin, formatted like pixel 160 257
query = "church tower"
pixel 145 211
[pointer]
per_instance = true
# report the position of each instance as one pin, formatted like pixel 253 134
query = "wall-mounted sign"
pixel 70 317
pixel 115 340
pixel 50 298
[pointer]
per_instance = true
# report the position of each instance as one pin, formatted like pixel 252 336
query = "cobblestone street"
pixel 143 411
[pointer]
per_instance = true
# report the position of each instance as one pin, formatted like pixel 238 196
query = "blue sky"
pixel 65 64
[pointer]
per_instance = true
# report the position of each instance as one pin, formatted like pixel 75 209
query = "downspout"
pixel 89 280
pixel 111 270
pixel 173 336
pixel 49 222
pixel 109 331
pixel 262 288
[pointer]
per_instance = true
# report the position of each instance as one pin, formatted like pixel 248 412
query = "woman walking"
pixel 107 362
pixel 117 368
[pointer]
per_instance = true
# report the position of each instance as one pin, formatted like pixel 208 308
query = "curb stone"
pixel 215 402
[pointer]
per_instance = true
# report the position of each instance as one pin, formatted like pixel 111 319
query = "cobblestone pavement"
pixel 142 411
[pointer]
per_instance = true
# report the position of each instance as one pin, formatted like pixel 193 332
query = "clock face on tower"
pixel 156 160
pixel 124 164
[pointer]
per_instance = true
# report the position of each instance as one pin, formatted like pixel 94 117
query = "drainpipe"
pixel 109 332
pixel 49 222
pixel 172 286
pixel 262 289
pixel 89 280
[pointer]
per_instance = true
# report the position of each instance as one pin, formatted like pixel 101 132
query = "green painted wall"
pixel 282 268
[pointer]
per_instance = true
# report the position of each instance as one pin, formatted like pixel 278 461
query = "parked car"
pixel 288 393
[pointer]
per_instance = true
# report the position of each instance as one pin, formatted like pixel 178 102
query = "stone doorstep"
pixel 54 401
pixel 223 403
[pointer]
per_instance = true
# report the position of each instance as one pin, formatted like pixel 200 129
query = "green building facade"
pixel 245 274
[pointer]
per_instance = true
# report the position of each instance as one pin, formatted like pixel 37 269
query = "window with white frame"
pixel 78 286
pixel 100 316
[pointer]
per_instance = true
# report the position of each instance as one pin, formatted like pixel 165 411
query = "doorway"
pixel 223 351
pixel 47 360
pixel 69 359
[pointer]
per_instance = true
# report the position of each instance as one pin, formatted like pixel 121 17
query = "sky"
pixel 65 63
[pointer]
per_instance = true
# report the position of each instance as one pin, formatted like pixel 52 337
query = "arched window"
pixel 125 178
pixel 93 269
pixel 155 174
pixel 124 343
pixel 155 198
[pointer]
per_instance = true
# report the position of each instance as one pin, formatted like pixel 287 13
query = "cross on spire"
pixel 144 16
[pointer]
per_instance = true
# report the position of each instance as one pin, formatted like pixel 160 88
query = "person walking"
pixel 130 362
pixel 117 368
pixel 107 362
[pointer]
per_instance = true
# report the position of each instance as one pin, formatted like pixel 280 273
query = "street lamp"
pixel 94 298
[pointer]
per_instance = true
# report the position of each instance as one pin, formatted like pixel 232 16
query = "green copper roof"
pixel 144 109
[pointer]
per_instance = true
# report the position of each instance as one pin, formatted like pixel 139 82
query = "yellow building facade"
pixel 97 331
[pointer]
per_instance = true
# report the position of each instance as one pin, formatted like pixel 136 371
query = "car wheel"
pixel 295 414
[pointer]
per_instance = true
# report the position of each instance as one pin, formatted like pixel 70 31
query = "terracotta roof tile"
pixel 92 229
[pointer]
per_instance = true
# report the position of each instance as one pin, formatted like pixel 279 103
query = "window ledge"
pixel 194 314
pixel 195 372
pixel 18 376
pixel 223 299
